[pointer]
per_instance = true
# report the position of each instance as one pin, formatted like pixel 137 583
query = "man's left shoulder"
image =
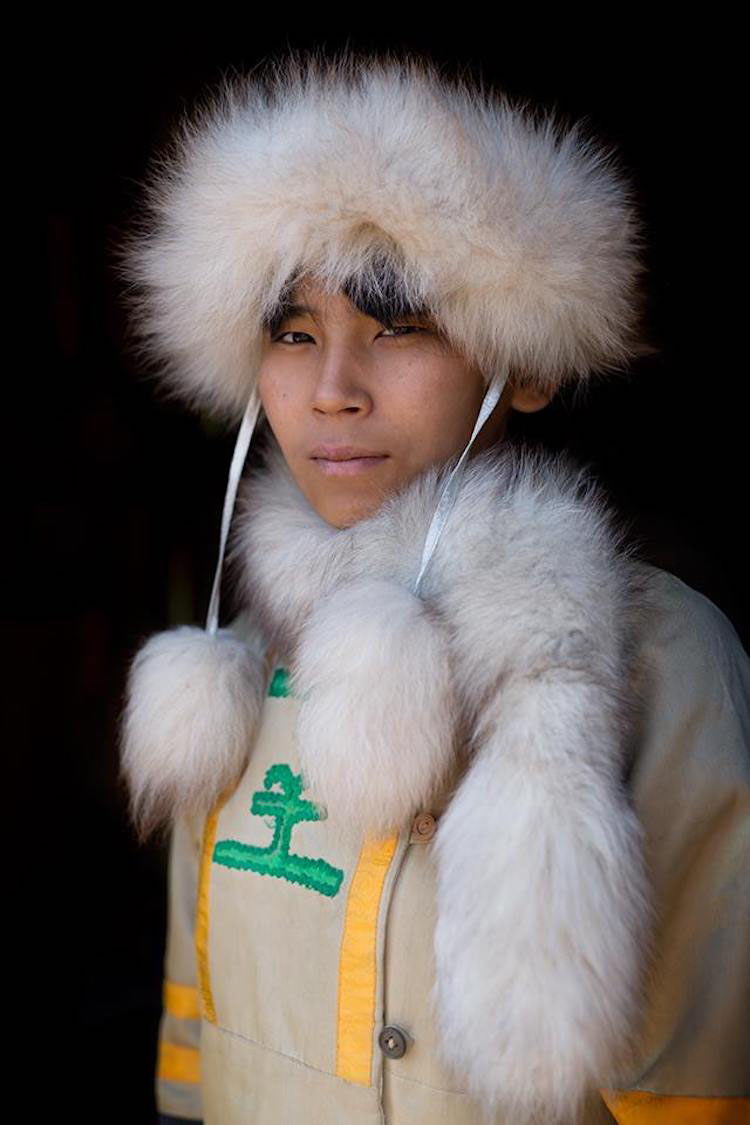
pixel 681 622
pixel 694 678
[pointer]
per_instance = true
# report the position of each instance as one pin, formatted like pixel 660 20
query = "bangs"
pixel 378 289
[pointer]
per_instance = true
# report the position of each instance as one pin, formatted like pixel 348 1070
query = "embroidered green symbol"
pixel 287 809
pixel 279 683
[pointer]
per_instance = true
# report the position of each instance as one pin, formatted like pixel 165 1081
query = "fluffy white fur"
pixel 532 601
pixel 543 898
pixel 516 229
pixel 521 648
pixel 380 639
pixel 192 705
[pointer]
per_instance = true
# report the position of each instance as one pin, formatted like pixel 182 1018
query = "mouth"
pixel 346 460
pixel 349 466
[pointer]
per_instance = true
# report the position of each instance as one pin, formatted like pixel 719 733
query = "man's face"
pixel 335 383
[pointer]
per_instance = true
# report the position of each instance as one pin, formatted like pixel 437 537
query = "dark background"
pixel 124 491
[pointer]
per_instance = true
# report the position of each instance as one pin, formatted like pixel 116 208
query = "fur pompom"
pixel 376 722
pixel 192 705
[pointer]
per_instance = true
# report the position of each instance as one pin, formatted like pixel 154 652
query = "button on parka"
pixel 429 858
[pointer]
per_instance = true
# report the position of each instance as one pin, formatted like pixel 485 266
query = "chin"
pixel 344 515
pixel 344 519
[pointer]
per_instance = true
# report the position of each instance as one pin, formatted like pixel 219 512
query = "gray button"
pixel 393 1041
pixel 423 828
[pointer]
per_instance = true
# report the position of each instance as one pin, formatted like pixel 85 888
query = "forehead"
pixel 311 297
pixel 381 294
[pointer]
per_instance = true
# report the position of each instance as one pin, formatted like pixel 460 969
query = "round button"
pixel 393 1041
pixel 423 828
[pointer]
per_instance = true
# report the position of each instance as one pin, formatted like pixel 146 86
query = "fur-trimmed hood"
pixel 505 688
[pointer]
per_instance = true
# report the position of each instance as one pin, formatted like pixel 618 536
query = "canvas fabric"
pixel 285 961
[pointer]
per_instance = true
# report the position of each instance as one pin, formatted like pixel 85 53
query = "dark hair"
pixel 378 290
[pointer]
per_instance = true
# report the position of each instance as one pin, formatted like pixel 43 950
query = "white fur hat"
pixel 515 231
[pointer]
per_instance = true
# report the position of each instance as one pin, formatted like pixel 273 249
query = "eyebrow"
pixel 286 310
pixel 299 310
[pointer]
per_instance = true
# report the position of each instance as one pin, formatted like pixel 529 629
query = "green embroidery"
pixel 279 683
pixel 287 808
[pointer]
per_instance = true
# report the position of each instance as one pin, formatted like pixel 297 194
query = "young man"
pixel 459 800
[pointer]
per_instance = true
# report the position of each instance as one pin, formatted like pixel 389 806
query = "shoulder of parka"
pixel 691 661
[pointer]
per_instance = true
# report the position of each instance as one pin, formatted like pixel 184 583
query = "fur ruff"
pixel 524 641
pixel 515 230
pixel 503 696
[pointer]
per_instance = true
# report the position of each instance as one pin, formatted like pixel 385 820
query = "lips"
pixel 346 460
pixel 343 453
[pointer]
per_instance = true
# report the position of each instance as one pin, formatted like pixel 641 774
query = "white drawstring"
pixel 450 488
pixel 241 447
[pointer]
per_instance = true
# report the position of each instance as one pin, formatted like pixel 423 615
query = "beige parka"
pixel 297 982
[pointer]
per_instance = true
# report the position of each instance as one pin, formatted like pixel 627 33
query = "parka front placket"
pixel 290 949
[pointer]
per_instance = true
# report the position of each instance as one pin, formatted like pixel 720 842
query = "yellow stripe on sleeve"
pixel 639 1107
pixel 358 964
pixel 178 1064
pixel 202 919
pixel 181 1000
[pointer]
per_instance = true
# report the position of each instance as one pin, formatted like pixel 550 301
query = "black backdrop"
pixel 120 525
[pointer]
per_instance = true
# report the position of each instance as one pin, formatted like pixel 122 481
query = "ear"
pixel 528 400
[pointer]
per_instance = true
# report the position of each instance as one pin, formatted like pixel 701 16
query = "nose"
pixel 341 384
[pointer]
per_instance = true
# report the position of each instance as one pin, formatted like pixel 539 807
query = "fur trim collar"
pixel 501 699
pixel 504 695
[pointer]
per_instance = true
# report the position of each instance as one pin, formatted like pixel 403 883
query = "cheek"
pixel 438 409
pixel 278 402
pixel 269 390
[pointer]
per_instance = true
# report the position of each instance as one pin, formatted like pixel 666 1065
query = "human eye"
pixel 403 329
pixel 290 332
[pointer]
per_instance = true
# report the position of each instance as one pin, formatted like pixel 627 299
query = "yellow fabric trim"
pixel 357 962
pixel 204 887
pixel 202 916
pixel 178 1064
pixel 181 1000
pixel 639 1107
